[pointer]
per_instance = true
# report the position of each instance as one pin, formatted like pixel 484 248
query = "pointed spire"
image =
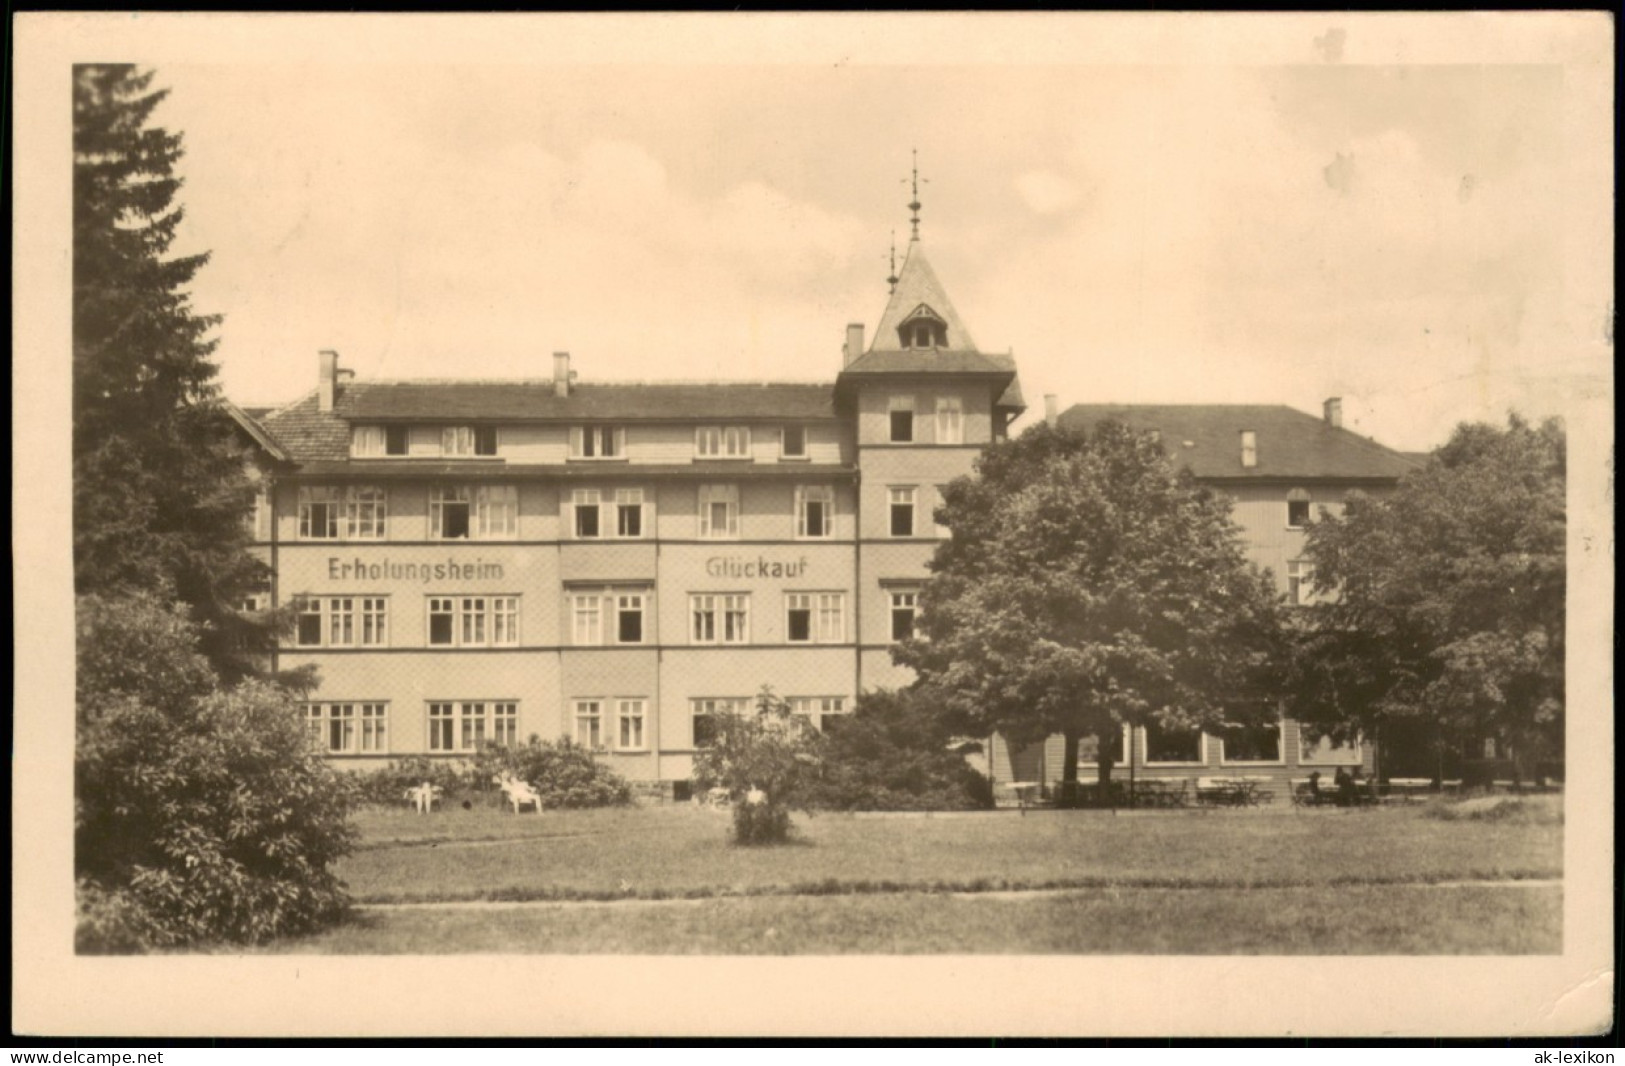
pixel 891 279
pixel 914 187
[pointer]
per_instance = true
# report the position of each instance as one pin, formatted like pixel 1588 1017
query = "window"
pixel 629 512
pixel 937 527
pixel 1089 751
pixel 1297 509
pixel 1261 743
pixel 589 723
pixel 720 618
pixel 722 442
pixel 348 728
pixel 586 613
pixel 464 512
pixel 456 441
pixel 1172 745
pixel 902 419
pixel 319 509
pixel 629 725
pixel 793 442
pixel 629 618
pixel 903 606
pixel 1300 583
pixel 815 617
pixel 597 442
pixel 485 440
pixel 585 503
pixel 815 710
pixel 341 621
pixel 367 441
pixel 815 507
pixel 396 440
pixel 1249 448
pixel 365 511
pixel 473 621
pixel 901 511
pixel 950 420
pixel 707 710
pixel 469 726
pixel 719 512
pixel 1326 750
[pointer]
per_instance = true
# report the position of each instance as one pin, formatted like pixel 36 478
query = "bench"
pixel 519 793
pixel 423 797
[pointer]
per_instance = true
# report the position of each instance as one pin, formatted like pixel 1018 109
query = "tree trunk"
pixel 1103 764
pixel 1067 797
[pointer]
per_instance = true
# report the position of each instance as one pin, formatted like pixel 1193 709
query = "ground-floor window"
pixel 705 712
pixel 466 726
pixel 629 725
pixel 589 723
pixel 1167 745
pixel 818 711
pixel 1255 743
pixel 348 728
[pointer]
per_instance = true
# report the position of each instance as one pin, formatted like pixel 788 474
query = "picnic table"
pixel 1233 791
pixel 1026 792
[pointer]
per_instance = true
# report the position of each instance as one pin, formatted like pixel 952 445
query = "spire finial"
pixel 891 279
pixel 914 186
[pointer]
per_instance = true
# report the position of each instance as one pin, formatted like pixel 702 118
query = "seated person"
pixel 1345 787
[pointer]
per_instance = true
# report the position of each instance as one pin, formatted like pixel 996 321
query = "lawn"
pixel 666 881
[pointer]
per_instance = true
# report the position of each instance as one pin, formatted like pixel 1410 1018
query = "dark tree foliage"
pixel 897 751
pixel 768 761
pixel 1090 586
pixel 1444 601
pixel 160 488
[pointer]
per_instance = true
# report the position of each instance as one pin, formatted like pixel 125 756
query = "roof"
pixel 256 432
pixel 309 435
pixel 917 284
pixel 1290 444
pixel 927 361
pixel 497 469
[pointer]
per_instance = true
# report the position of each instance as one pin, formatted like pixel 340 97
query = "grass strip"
pixel 837 887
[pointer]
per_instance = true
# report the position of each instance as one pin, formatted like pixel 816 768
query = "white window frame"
pixel 619 598
pixel 722 442
pixel 719 618
pixel 472 724
pixel 821 608
pixel 367 442
pixel 587 443
pixel 584 710
pixel 347 615
pixel 950 420
pixel 1299 496
pixel 810 494
pixel 474 619
pixel 1300 583
pixel 1249 448
pixel 1280 750
pixel 726 495
pixel 583 500
pixel 895 405
pixel 455 495
pixel 912 607
pixel 366 512
pixel 710 707
pixel 330 497
pixel 363 726
pixel 784 444
pixel 1119 758
pixel 1142 741
pixel 815 709
pixel 625 500
pixel 900 496
pixel 457 442
pixel 631 710
pixel 587 619
pixel 495 514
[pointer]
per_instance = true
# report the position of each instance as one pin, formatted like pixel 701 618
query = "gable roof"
pixel 311 435
pixel 1291 444
pixel 917 284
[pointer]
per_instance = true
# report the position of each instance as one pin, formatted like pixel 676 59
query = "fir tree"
pixel 160 487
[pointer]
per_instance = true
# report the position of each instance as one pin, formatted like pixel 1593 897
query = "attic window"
pixel 923 329
pixel 1297 509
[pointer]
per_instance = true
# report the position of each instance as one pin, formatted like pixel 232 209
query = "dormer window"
pixel 372 441
pixel 924 328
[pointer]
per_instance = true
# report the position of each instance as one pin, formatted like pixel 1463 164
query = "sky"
pixel 1396 234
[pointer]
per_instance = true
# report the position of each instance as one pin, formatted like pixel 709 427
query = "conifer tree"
pixel 160 487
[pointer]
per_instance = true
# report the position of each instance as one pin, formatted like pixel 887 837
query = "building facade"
pixel 617 563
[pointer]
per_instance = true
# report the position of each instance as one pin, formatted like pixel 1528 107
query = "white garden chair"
pixel 519 793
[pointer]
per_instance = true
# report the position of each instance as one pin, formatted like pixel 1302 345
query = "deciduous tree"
pixel 1443 603
pixel 1089 585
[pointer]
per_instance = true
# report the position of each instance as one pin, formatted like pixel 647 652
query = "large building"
pixel 618 563
pixel 480 561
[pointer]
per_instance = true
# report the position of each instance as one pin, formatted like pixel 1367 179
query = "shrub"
pixel 768 761
pixel 198 814
pixel 563 773
pixel 893 753
pixel 387 787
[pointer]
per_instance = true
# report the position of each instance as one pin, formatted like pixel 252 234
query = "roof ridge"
pixel 290 405
pixel 807 383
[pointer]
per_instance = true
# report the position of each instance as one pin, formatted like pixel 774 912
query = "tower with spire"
pixel 924 401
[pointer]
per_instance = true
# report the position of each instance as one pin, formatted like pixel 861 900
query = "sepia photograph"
pixel 903 524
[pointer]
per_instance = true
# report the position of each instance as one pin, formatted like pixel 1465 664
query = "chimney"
pixel 1052 410
pixel 1334 412
pixel 561 374
pixel 854 343
pixel 1249 448
pixel 327 379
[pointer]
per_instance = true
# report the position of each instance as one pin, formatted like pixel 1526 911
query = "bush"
pixel 387 787
pixel 198 814
pixel 768 762
pixel 563 773
pixel 893 753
